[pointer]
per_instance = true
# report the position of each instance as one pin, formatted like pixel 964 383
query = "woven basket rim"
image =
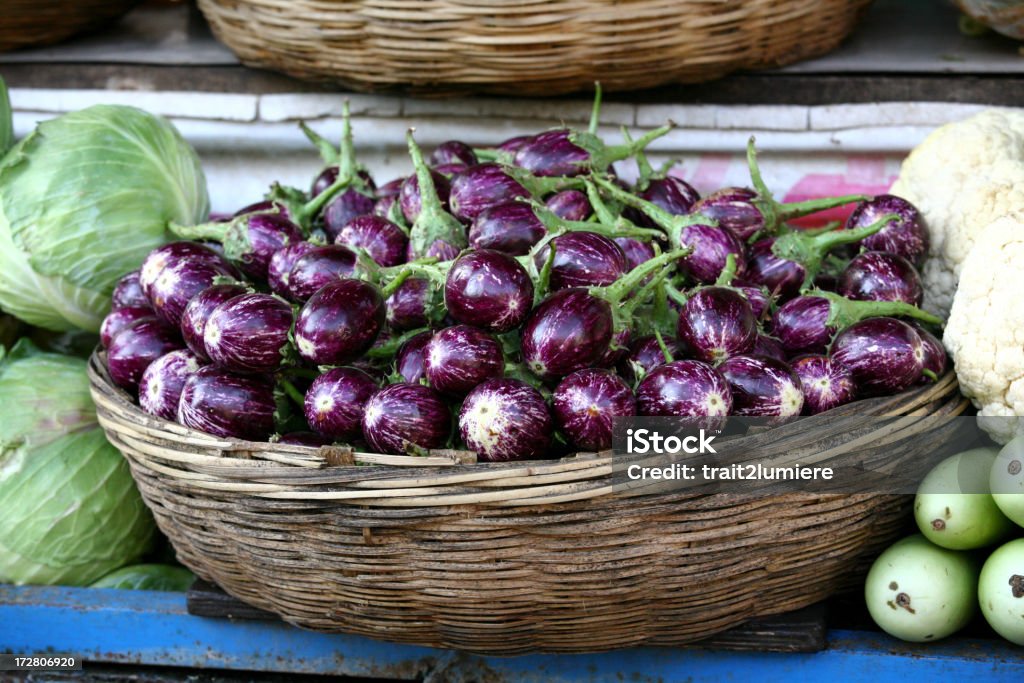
pixel 280 471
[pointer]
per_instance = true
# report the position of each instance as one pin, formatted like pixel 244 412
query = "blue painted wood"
pixel 142 627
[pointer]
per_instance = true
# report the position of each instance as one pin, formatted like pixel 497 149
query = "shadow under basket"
pixel 506 558
pixel 536 48
pixel 34 23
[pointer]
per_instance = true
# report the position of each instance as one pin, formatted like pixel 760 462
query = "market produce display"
pixel 514 300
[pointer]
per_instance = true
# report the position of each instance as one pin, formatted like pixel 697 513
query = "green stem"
pixel 347 165
pixel 293 393
pixel 930 375
pixel 601 211
pixel 595 111
pixel 544 277
pixel 664 347
pixel 327 151
pixel 642 163
pixel 617 291
pixel 311 208
pixel 810 250
pixel 844 312
pixel 805 208
pixel 213 231
pixel 728 273
pixel 540 187
pixel 675 294
pixel 391 346
pixel 755 172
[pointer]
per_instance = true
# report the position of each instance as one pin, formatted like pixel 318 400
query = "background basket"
pixel 505 558
pixel 535 47
pixel 25 23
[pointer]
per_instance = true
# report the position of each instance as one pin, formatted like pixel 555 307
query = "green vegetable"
pixel 1001 591
pixel 69 510
pixel 920 592
pixel 1007 480
pixel 6 122
pixel 148 577
pixel 83 199
pixel 953 507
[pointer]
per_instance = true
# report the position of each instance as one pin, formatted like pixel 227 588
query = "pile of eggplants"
pixel 515 300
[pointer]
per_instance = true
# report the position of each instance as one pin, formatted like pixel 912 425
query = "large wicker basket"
pixel 536 47
pixel 502 558
pixel 28 23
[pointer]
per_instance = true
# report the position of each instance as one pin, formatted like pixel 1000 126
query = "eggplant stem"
pixel 663 346
pixel 616 291
pixel 293 393
pixel 595 111
pixel 675 294
pixel 809 206
pixel 391 346
pixel 728 273
pixel 544 277
pixel 755 172
pixel 844 312
pixel 327 151
pixel 314 205
pixel 213 231
pixel 644 167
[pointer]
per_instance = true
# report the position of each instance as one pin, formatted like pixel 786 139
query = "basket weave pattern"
pixel 535 47
pixel 497 558
pixel 26 23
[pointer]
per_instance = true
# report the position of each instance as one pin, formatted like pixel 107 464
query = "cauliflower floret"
pixel 962 177
pixel 985 332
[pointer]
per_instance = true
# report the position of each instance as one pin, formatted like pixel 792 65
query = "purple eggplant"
pixel 825 384
pixel 136 346
pixel 329 175
pixel 411 200
pixel 757 296
pixel 345 208
pixel 562 152
pixel 583 259
pixel 120 318
pixel 453 152
pixel 512 145
pixel 573 328
pixel 881 276
pixel 762 387
pixel 221 403
pixel 311 439
pixel 128 292
pixel 674 195
pixel 711 247
pixel 392 188
pixel 335 403
pixel 643 356
pixel 162 382
pixel 780 276
pixel 568 331
pixel 434 232
pixel 384 206
pixel 415 304
pixel 506 419
pixel 401 418
pixel 197 312
pixel 617 348
pixel 179 282
pixel 586 402
pixel 569 205
pixel 281 263
pixel 769 346
pixel 512 228
pixel 339 323
pixel 684 388
pixel 488 289
pixel 717 323
pixel 170 254
pixel 884 355
pixel 801 325
pixel 409 360
pixel 449 171
pixel 320 266
pixel 249 333
pixel 249 240
pixel 905 236
pixel 264 206
pixel 479 188
pixel 635 251
pixel 384 241
pixel 935 358
pixel 733 209
pixel 458 358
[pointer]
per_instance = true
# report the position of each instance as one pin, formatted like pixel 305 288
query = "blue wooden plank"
pixel 154 628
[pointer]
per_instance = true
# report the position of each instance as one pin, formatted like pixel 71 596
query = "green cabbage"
pixel 69 509
pixel 148 577
pixel 6 123
pixel 83 199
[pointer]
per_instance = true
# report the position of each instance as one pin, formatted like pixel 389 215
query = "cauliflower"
pixel 985 332
pixel 963 177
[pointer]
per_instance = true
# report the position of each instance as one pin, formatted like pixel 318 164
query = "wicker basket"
pixel 538 47
pixel 501 558
pixel 30 23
